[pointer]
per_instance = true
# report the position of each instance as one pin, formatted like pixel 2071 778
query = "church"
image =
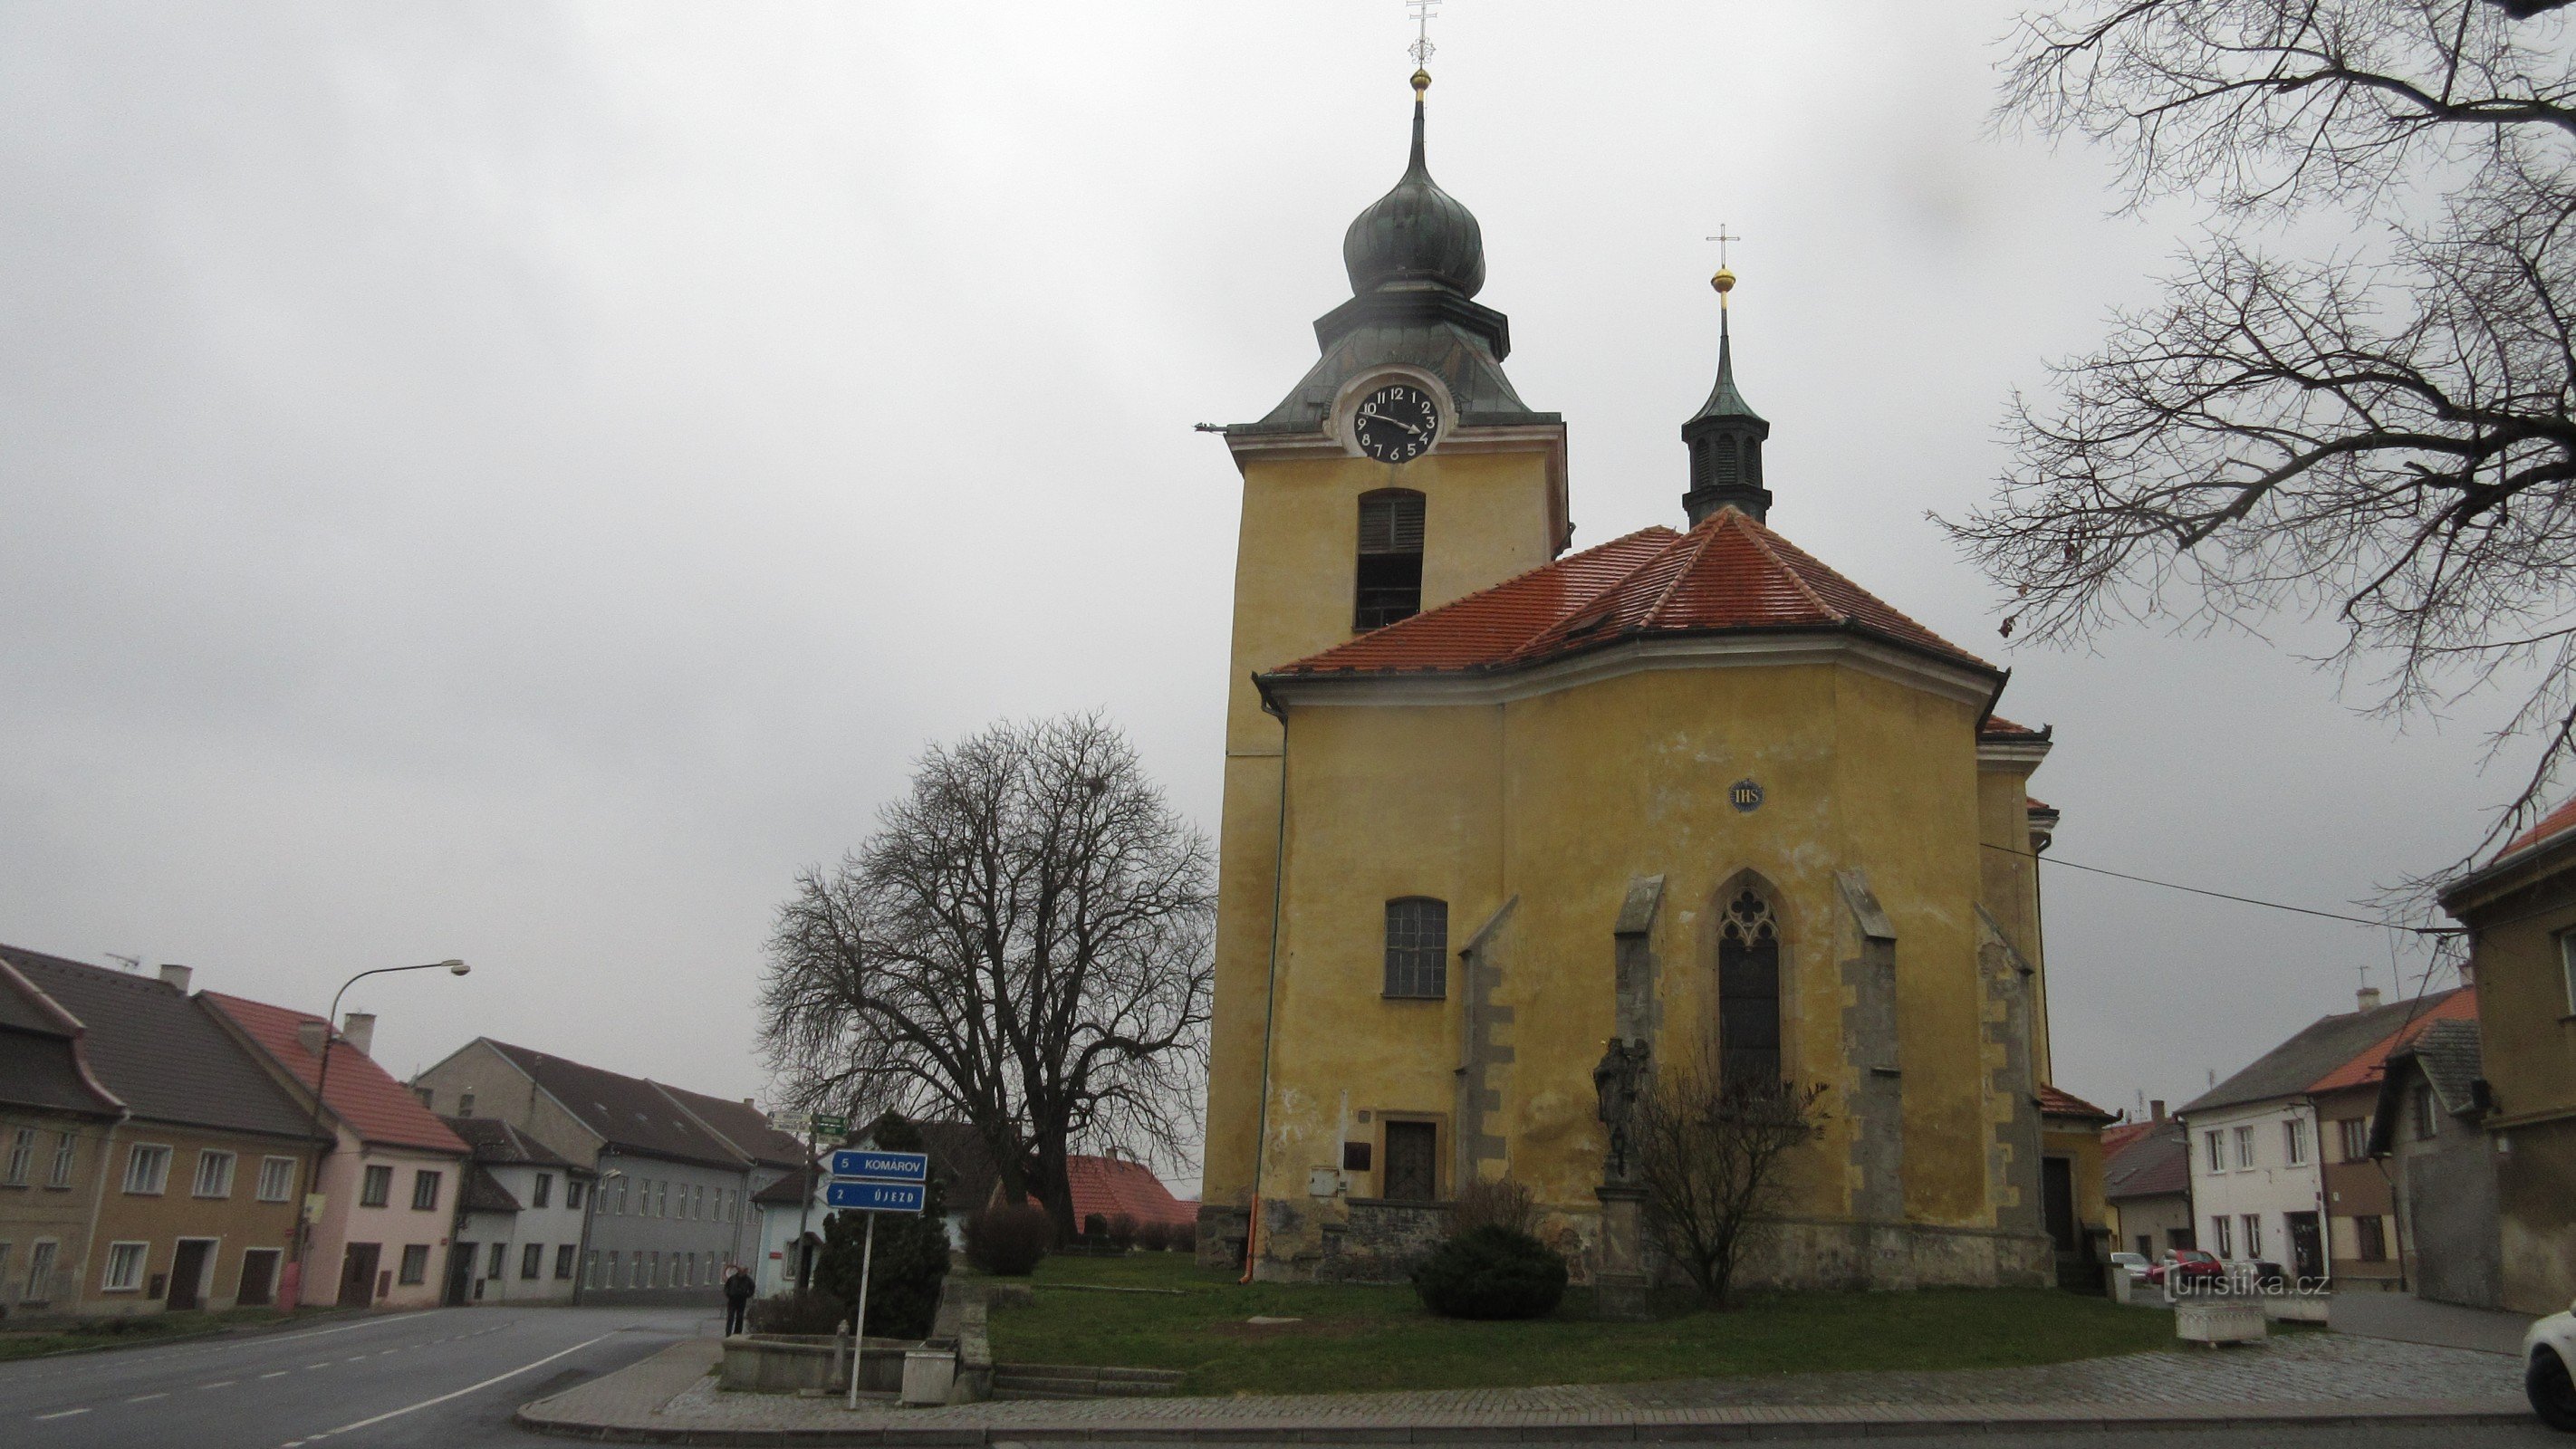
pixel 1492 806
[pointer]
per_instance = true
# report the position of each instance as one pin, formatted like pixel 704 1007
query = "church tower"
pixel 1401 473
pixel 1725 436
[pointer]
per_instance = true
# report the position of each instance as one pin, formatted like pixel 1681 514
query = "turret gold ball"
pixel 1724 281
pixel 1421 81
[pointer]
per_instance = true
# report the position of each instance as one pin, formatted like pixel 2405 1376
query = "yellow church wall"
pixel 2011 882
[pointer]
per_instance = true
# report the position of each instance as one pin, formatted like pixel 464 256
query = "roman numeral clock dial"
pixel 1396 423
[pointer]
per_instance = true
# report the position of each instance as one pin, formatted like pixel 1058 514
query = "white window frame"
pixel 2225 1232
pixel 141 1262
pixel 282 1170
pixel 148 1163
pixel 2215 1141
pixel 22 1157
pixel 368 1178
pixel 223 1164
pixel 434 1180
pixel 402 1268
pixel 543 1193
pixel 66 1147
pixel 2294 1141
pixel 2353 1133
pixel 2245 1147
pixel 2253 1235
pixel 41 1262
pixel 2567 968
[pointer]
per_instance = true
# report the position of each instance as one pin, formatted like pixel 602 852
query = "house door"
pixel 2057 1193
pixel 358 1275
pixel 2307 1249
pixel 258 1278
pixel 187 1270
pixel 460 1273
pixel 1412 1161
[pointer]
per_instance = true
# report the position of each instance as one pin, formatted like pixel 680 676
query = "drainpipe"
pixel 1270 1001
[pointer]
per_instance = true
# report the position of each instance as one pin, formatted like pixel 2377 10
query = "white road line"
pixel 310 1367
pixel 473 1388
pixel 355 1358
pixel 219 1384
pixel 67 1413
pixel 281 1373
pixel 146 1398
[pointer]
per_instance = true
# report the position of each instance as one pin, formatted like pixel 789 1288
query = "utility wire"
pixel 2220 895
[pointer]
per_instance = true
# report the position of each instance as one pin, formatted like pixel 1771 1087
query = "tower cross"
pixel 1722 238
pixel 1421 49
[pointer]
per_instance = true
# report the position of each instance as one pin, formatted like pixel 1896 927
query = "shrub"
pixel 1502 1203
pixel 1122 1231
pixel 1185 1237
pixel 1008 1241
pixel 1155 1236
pixel 793 1312
pixel 1095 1229
pixel 1491 1272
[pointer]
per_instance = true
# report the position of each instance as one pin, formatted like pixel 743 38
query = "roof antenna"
pixel 130 963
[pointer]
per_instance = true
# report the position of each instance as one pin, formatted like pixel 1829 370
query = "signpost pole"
pixel 804 1206
pixel 859 1328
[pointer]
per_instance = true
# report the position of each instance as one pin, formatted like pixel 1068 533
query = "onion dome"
pixel 1416 233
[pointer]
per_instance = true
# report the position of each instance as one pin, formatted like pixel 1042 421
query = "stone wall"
pixel 1381 1241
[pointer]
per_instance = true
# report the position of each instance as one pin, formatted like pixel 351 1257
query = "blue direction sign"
pixel 881 1166
pixel 876 1197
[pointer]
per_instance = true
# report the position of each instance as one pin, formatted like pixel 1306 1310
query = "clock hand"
pixel 1366 416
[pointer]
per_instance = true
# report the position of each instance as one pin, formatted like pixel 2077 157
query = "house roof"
pixel 2448 1056
pixel 2121 1134
pixel 788 1190
pixel 2057 1102
pixel 2366 1068
pixel 2294 1067
pixel 40 1054
pixel 2154 1162
pixel 361 1094
pixel 1113 1185
pixel 498 1143
pixel 161 1051
pixel 629 1113
pixel 2556 822
pixel 481 1192
pixel 1728 575
pixel 743 1125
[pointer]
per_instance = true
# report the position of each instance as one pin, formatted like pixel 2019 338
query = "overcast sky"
pixel 517 481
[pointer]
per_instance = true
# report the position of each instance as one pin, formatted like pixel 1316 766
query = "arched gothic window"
pixel 1417 947
pixel 1748 991
pixel 1390 563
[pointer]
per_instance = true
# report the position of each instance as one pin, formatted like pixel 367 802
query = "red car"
pixel 2187 1263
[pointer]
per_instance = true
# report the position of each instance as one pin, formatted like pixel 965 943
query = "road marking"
pixel 310 1367
pixel 67 1413
pixel 146 1398
pixel 281 1373
pixel 355 1358
pixel 219 1384
pixel 470 1388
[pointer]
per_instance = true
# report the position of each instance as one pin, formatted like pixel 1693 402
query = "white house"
pixel 519 1221
pixel 774 1266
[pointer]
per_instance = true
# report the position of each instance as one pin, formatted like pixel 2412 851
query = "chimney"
pixel 2156 1109
pixel 2469 974
pixel 175 976
pixel 358 1029
pixel 2368 996
pixel 752 1102
pixel 311 1035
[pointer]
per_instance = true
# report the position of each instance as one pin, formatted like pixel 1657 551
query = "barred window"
pixel 1390 561
pixel 1417 947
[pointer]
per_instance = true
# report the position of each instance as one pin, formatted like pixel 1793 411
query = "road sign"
pixel 881 1166
pixel 876 1197
pixel 828 1126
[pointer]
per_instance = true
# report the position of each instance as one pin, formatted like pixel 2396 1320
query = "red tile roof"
pixel 2121 1134
pixel 375 1106
pixel 1729 574
pixel 2054 1102
pixel 1998 725
pixel 2555 822
pixel 1111 1185
pixel 2365 1069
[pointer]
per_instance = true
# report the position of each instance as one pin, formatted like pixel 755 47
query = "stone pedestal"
pixel 1620 1286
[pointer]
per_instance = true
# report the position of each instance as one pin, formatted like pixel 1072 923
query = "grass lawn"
pixel 1352 1339
pixel 115 1332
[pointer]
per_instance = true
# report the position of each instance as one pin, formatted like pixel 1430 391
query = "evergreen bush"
pixel 793 1312
pixel 911 1249
pixel 1491 1272
pixel 1008 1241
pixel 1155 1236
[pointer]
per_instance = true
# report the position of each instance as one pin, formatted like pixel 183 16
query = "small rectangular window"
pixel 661 1202
pixel 214 1174
pixel 2355 1132
pixel 2371 1235
pixel 612 1270
pixel 532 1261
pixel 124 1266
pixel 22 1157
pixel 65 1145
pixel 2294 1141
pixel 1417 948
pixel 545 1190
pixel 2222 1242
pixel 2567 968
pixel 2245 1147
pixel 276 1178
pixel 147 1170
pixel 415 1263
pixel 377 1187
pixel 2253 1235
pixel 572 1192
pixel 499 1259
pixel 2216 1143
pixel 424 1189
pixel 563 1260
pixel 590 1269
pixel 40 1273
pixel 2427 1126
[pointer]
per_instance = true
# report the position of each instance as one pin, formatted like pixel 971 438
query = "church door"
pixel 1748 992
pixel 1412 1161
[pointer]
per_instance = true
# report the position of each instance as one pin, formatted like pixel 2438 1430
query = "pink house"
pixel 388 1183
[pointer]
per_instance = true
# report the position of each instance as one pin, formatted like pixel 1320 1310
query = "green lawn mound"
pixel 1357 1339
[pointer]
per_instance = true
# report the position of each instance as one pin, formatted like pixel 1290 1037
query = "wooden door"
pixel 187 1270
pixel 358 1275
pixel 258 1278
pixel 1412 1162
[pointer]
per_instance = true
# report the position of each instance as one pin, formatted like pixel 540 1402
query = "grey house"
pixel 2427 1126
pixel 670 1205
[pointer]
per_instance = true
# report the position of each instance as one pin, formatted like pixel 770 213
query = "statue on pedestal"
pixel 1617 1080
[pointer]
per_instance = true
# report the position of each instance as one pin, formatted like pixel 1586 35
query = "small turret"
pixel 1725 436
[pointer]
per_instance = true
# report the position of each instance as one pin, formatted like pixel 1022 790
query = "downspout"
pixel 1269 993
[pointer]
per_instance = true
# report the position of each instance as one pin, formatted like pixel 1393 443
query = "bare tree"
pixel 1708 1154
pixel 1023 944
pixel 2382 433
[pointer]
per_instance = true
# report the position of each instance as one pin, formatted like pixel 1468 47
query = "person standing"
pixel 738 1289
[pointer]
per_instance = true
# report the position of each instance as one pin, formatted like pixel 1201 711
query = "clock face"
pixel 1396 423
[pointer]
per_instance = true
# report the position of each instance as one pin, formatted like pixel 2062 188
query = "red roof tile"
pixel 1998 725
pixel 1110 1186
pixel 2121 1134
pixel 2555 822
pixel 2055 1102
pixel 2037 806
pixel 374 1105
pixel 1728 574
pixel 2371 1064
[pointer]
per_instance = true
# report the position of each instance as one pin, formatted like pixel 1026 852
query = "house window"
pixel 2425 1124
pixel 590 1269
pixel 498 1260
pixel 621 1196
pixel 612 1270
pixel 1748 993
pixel 2215 1142
pixel 2222 1242
pixel 147 1169
pixel 424 1189
pixel 22 1157
pixel 654 1280
pixel 124 1267
pixel 2245 1146
pixel 572 1192
pixel 1390 562
pixel 563 1260
pixel 2371 1235
pixel 545 1191
pixel 688 1271
pixel 2355 1132
pixel 377 1187
pixel 40 1273
pixel 415 1263
pixel 1417 947
pixel 65 1144
pixel 2294 1141
pixel 465 1104
pixel 532 1261
pixel 2253 1235
pixel 661 1204
pixel 214 1174
pixel 276 1178
pixel 2567 968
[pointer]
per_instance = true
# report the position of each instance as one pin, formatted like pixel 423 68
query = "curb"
pixel 246 1330
pixel 1677 1426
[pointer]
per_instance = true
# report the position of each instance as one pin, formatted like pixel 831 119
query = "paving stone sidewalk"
pixel 2297 1377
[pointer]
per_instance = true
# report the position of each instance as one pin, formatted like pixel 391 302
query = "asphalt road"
pixel 446 1377
pixel 2518 1436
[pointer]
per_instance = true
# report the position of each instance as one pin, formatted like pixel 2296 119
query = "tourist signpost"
pixel 872 1182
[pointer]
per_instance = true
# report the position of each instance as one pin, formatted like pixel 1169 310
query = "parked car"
pixel 2548 1356
pixel 2187 1263
pixel 2133 1264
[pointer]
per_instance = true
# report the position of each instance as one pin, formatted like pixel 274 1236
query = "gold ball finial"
pixel 1421 81
pixel 1724 281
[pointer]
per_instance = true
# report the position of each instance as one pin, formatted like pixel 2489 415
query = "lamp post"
pixel 322 1080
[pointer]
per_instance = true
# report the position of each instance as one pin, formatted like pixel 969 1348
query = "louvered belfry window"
pixel 1390 562
pixel 1417 947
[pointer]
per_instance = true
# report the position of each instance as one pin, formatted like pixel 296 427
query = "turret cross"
pixel 1421 48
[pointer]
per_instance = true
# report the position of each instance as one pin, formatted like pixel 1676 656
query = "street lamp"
pixel 321 1081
